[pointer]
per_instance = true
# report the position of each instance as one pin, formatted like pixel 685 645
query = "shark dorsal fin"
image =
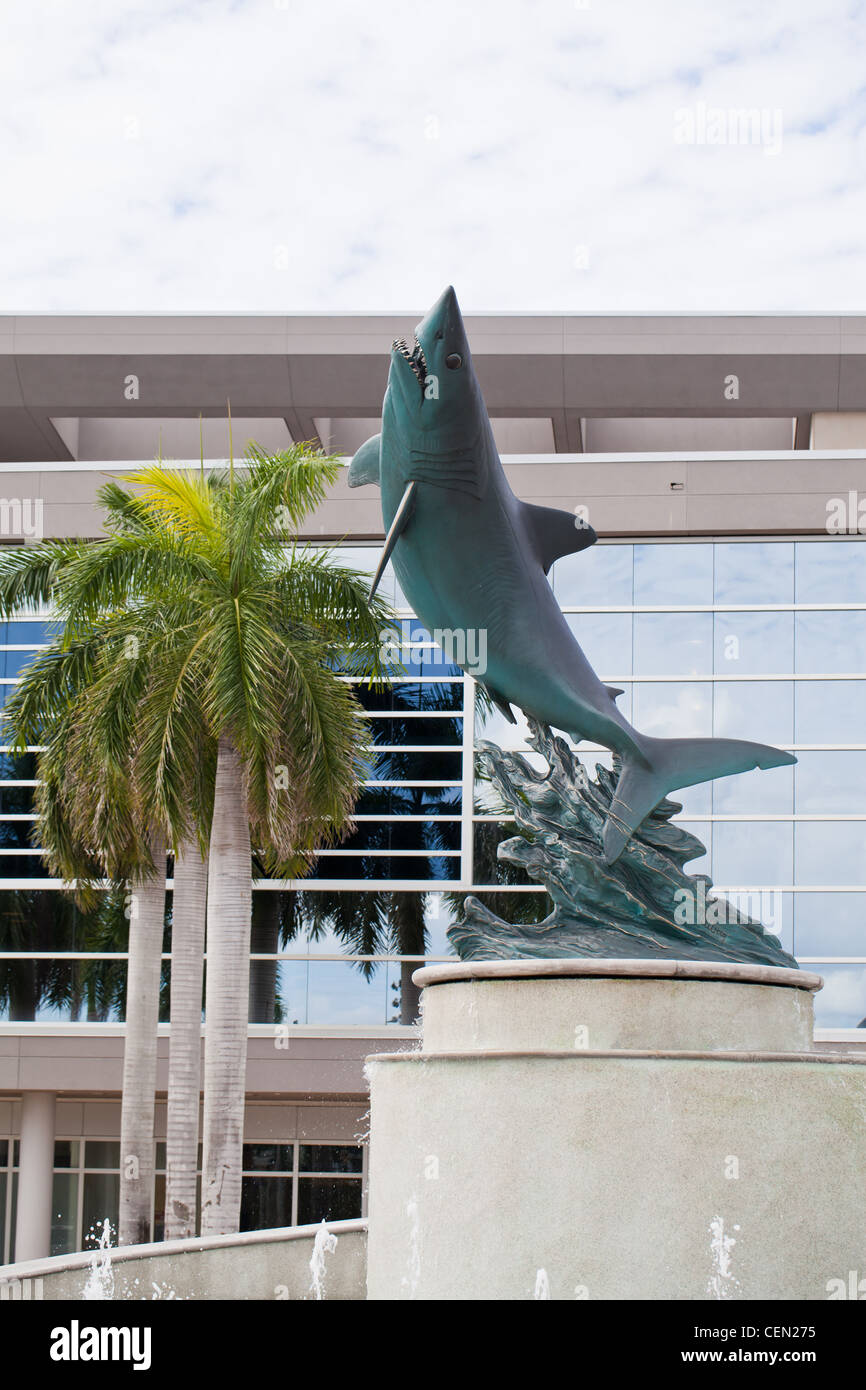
pixel 553 533
pixel 366 463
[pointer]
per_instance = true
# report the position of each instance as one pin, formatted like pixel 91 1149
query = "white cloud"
pixel 286 155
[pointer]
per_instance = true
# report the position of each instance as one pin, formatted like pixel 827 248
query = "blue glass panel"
pixel 842 1001
pixel 20 767
pixel 696 801
pixel 759 710
pixel 13 663
pixel 16 834
pixel 673 644
pixel 829 852
pixel 420 835
pixel 23 866
pixel 769 792
pixel 16 801
pixel 20 630
pixel 292 989
pixel 753 644
pixel 831 712
pixel 359 868
pixel 412 695
pixel 416 767
pixel 432 730
pixel 605 639
pixel 754 572
pixel 673 573
pixel 830 642
pixel 831 571
pixel 830 783
pixel 597 578
pixel 339 994
pixel 437 919
pixel 674 710
pixel 830 924
pixel 753 854
pixel 413 801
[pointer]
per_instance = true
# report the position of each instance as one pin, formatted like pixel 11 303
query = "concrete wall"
pixel 627 495
pixel 254 1265
pixel 49 1057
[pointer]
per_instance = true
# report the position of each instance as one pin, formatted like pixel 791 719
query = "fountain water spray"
pixel 100 1281
pixel 324 1244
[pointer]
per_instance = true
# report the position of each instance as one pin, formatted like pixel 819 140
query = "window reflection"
pixel 753 853
pixel 830 712
pixel 758 792
pixel 673 573
pixel 831 852
pixel 832 571
pixel 673 644
pixel 597 578
pixel 762 711
pixel 829 924
pixel 674 710
pixel 605 639
pixel 829 642
pixel 830 783
pixel 754 572
pixel 842 1001
pixel 751 644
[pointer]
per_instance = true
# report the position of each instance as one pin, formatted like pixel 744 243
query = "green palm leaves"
pixel 197 693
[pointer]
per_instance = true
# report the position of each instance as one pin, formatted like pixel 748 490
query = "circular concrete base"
pixel 616 1004
pixel 616 1130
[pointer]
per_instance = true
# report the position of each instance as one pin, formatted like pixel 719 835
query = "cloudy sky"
pixel 328 155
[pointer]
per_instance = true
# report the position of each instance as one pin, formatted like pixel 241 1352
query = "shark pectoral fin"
pixel 614 692
pixel 398 526
pixel 365 464
pixel 553 533
pixel 501 704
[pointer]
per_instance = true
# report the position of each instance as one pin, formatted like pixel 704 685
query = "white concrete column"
pixel 35 1176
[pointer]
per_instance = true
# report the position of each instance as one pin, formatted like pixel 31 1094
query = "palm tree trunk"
pixel 263 973
pixel 184 1066
pixel 146 924
pixel 407 921
pixel 229 910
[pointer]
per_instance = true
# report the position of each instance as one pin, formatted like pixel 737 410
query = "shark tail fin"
pixel 672 763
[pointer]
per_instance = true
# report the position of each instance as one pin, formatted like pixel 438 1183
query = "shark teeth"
pixel 416 359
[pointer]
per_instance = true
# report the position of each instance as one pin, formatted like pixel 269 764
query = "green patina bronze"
pixel 643 905
pixel 473 559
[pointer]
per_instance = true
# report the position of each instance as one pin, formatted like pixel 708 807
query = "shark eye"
pixel 453 361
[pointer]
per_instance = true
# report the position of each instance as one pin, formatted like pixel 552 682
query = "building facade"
pixel 722 460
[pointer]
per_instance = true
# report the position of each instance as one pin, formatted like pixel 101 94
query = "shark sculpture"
pixel 471 557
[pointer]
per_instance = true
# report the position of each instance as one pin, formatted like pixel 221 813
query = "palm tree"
pixel 246 632
pixel 93 825
pixel 236 640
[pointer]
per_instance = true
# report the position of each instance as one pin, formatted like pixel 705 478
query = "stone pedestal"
pixel 616 1129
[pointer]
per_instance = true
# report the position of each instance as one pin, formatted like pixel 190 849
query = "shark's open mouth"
pixel 416 359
